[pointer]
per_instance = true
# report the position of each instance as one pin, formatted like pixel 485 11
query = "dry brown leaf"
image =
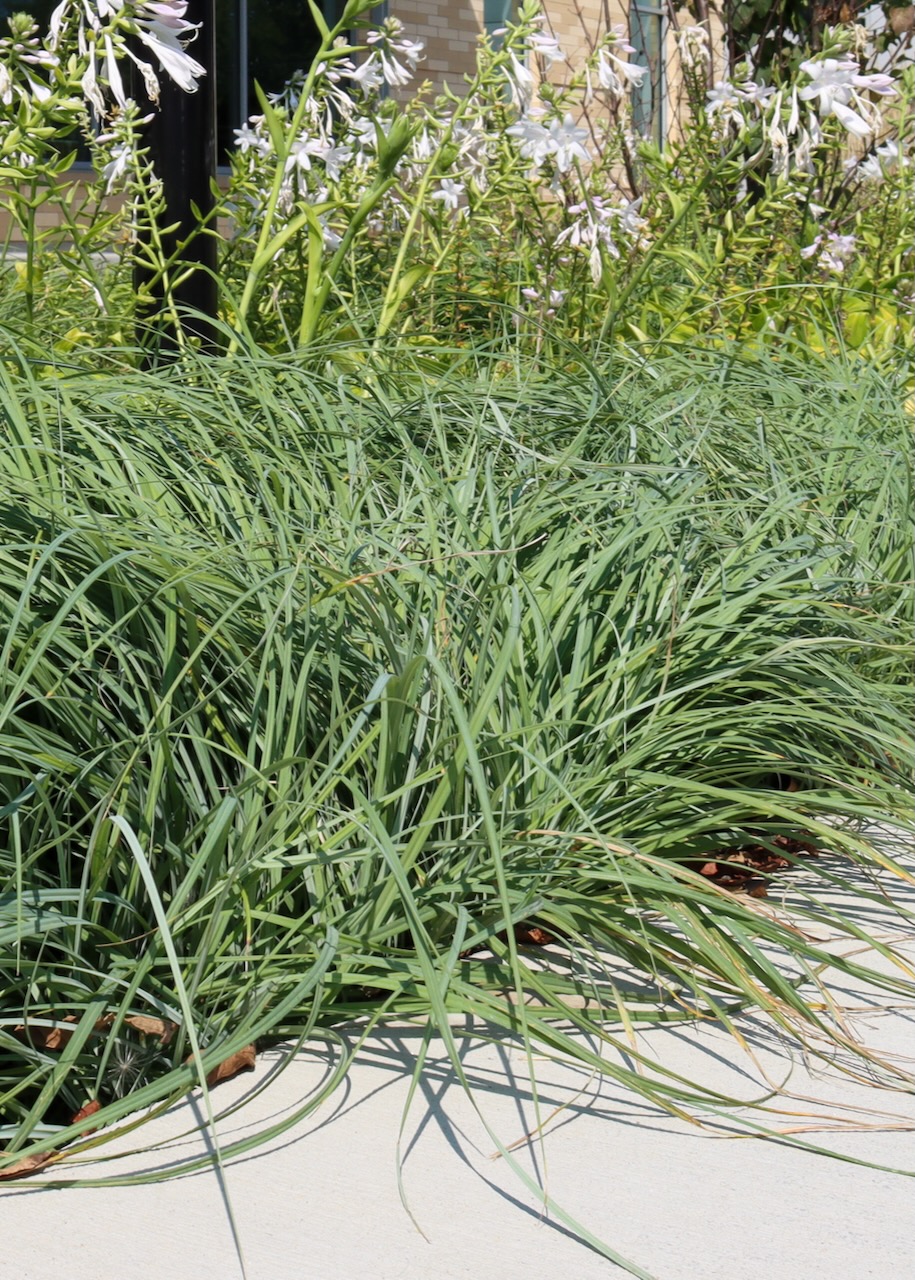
pixel 46 1037
pixel 233 1066
pixel 902 20
pixel 152 1027
pixel 27 1165
pixel 531 935
pixel 88 1110
pixel 58 1037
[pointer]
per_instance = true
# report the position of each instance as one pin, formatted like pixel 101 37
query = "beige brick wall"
pixel 579 24
pixel 451 30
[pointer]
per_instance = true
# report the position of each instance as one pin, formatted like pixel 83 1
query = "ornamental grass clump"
pixel 523 570
pixel 316 689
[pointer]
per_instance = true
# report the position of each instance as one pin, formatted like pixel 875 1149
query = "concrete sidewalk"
pixel 322 1199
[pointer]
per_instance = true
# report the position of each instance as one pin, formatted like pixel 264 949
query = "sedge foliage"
pixel 315 683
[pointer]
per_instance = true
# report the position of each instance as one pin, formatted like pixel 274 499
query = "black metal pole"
pixel 181 138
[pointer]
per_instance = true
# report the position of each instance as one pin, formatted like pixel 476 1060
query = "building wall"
pixel 451 30
pixel 579 24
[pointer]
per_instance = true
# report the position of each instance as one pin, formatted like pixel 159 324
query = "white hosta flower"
pixel 556 299
pixel 475 150
pixel 55 22
pixel 533 139
pixel 150 79
pixel 618 38
pixel 449 192
pixel 869 168
pixel 332 240
pixel 301 152
pixel 521 82
pixel 836 83
pixel 368 76
pixel 831 81
pixel 631 73
pixel 837 251
pixel 618 76
pixel 362 134
pixel 394 73
pixel 568 143
pixel 334 158
pixel 423 147
pixel 6 86
pixel 629 218
pixel 113 74
pixel 90 13
pixel 552 302
pixel 591 232
pixel 90 86
pixel 723 100
pixel 834 251
pixel 793 115
pixel 399 56
pixel 160 25
pixel 40 92
pixel 884 160
pixel 547 48
pixel 251 139
pixel 890 154
pixel 756 94
pixel 850 120
pixel 693 44
pixel 117 166
pixel 778 141
pixel 803 151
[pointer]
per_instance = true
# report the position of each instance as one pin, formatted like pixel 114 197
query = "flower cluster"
pixel 833 251
pixel 24 63
pixel 879 163
pixel 836 84
pixel 101 31
pixel 617 76
pixel 342 151
pixel 592 229
pixel 694 47
pixel 393 57
pixel 794 117
pixel 561 141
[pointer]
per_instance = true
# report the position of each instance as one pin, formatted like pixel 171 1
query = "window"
pixel 262 41
pixel 646 35
pixel 39 9
pixel 496 13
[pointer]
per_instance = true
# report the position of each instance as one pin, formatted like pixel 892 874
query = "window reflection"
pixel 646 35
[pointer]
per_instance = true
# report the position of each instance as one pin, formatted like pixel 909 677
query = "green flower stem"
pixel 261 256
pixel 316 294
pixel 391 298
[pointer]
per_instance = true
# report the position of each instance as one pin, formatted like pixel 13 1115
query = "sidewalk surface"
pixel 322 1199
